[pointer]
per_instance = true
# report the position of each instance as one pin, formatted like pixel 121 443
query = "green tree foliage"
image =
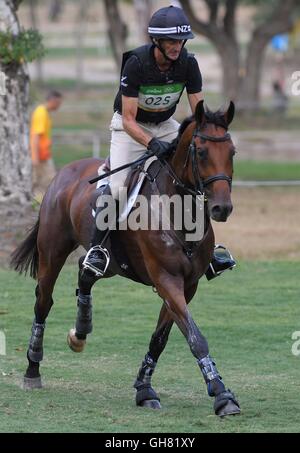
pixel 25 47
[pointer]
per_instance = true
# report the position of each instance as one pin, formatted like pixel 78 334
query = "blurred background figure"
pixel 43 169
pixel 279 99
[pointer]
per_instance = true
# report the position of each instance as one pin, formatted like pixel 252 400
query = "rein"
pixel 200 183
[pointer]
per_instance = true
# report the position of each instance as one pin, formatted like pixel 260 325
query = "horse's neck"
pixel 179 161
pixel 161 182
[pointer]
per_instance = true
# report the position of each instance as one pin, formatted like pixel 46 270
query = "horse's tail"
pixel 26 255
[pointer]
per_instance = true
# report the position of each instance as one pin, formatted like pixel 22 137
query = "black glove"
pixel 159 147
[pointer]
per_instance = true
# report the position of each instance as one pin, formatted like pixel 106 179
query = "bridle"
pixel 200 183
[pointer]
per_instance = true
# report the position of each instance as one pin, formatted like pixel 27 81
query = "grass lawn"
pixel 266 170
pixel 248 317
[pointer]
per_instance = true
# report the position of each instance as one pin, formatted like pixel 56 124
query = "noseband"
pixel 201 183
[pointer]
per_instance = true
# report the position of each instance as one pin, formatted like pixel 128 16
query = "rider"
pixel 153 79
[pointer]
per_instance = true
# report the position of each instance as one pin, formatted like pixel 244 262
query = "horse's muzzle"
pixel 220 212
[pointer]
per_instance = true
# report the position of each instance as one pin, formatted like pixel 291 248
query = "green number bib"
pixel 159 98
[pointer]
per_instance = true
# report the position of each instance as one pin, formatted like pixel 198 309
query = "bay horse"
pixel 201 163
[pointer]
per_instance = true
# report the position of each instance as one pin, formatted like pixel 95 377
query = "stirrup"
pixel 221 262
pixel 86 265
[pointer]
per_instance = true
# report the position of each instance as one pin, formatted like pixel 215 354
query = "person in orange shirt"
pixel 43 169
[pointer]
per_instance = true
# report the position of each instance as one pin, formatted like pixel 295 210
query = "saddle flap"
pixel 134 188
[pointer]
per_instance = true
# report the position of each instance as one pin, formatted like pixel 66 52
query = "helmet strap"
pixel 158 45
pixel 156 42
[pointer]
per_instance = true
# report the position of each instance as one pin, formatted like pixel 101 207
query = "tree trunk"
pixel 143 10
pixel 34 22
pixel 279 22
pixel 249 92
pixel 230 60
pixel 80 30
pixel 15 163
pixel 117 30
pixel 222 34
pixel 55 10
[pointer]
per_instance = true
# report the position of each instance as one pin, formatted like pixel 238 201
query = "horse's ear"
pixel 200 113
pixel 230 113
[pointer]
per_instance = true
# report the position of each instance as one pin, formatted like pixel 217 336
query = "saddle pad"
pixel 132 196
pixel 101 171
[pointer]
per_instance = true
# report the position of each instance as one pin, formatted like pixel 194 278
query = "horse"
pixel 202 164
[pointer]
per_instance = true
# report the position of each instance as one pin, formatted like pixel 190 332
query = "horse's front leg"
pixel 172 290
pixel 145 394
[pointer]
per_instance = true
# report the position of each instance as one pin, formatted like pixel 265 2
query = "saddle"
pixel 134 183
pixel 120 262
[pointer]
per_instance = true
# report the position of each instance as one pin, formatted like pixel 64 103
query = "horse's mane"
pixel 217 118
pixel 185 123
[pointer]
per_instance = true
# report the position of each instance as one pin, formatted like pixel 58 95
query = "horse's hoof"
pixel 151 404
pixel 229 409
pixel 75 343
pixel 32 383
pixel 226 404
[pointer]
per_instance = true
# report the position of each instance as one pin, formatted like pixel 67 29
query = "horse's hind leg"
pixel 83 326
pixel 145 395
pixel 50 265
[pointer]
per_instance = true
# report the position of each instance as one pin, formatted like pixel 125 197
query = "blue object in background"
pixel 280 43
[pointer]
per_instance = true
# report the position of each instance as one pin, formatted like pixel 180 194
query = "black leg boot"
pixel 97 258
pixel 222 260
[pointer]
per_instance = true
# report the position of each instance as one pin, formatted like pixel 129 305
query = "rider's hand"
pixel 159 147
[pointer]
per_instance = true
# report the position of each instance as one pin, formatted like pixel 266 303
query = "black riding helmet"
pixel 170 23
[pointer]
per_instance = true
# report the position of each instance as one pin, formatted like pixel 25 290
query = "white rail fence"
pixel 92 139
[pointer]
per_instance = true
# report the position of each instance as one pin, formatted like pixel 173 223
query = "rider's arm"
pixel 129 112
pixel 35 144
pixel 194 99
pixel 194 83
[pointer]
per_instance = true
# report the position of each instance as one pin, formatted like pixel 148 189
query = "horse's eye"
pixel 233 152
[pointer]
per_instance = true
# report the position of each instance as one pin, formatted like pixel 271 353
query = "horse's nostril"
pixel 216 210
pixel 221 212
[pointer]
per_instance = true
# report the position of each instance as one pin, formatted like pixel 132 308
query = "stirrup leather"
pixel 89 266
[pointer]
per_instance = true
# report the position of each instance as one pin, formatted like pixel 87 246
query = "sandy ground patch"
pixel 265 224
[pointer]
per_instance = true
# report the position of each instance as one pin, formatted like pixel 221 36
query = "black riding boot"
pixel 222 260
pixel 97 258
